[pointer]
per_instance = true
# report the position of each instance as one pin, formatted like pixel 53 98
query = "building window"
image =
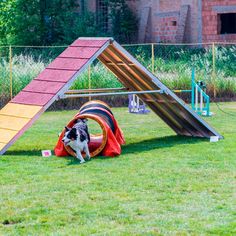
pixel 227 23
pixel 102 14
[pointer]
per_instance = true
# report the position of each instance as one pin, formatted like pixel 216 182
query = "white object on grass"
pixel 214 139
pixel 46 153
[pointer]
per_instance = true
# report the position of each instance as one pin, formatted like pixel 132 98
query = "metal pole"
pixel 99 90
pixel 196 97
pixel 182 91
pixel 192 88
pixel 208 106
pixel 10 68
pixel 137 103
pixel 110 94
pixel 133 103
pixel 214 69
pixel 89 80
pixel 153 58
pixel 201 100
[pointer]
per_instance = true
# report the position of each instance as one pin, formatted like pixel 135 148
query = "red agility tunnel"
pixel 106 144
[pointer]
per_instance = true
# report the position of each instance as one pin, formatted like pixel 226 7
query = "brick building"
pixel 180 21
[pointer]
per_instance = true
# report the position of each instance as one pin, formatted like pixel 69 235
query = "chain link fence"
pixel 215 64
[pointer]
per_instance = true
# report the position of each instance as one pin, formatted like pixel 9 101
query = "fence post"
pixel 153 58
pixel 193 89
pixel 89 80
pixel 10 72
pixel 214 69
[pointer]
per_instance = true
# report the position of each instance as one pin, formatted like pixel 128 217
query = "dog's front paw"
pixel 83 161
pixel 88 157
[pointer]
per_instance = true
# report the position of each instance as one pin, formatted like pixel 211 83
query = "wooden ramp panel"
pixel 171 109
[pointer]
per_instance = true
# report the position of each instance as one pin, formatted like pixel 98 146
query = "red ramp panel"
pixel 27 106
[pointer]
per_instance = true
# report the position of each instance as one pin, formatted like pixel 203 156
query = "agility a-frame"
pixel 53 82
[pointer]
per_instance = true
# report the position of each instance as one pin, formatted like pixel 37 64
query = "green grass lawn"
pixel 160 185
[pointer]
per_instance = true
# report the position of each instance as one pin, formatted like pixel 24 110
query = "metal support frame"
pixel 10 70
pixel 98 90
pixel 136 105
pixel 202 108
pixel 200 101
pixel 80 95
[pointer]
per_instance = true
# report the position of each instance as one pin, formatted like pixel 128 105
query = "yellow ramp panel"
pixel 7 135
pixel 2 145
pixel 20 110
pixel 12 123
pixel 14 120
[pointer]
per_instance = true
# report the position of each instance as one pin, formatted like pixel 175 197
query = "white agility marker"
pixel 46 153
pixel 214 139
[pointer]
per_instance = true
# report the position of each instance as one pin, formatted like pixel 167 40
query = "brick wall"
pixel 168 5
pixel 202 20
pixel 166 28
pixel 187 22
pixel 164 20
pixel 210 20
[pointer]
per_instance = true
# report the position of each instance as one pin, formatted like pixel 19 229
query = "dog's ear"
pixel 73 130
pixel 67 129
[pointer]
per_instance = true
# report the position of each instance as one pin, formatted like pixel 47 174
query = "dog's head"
pixel 81 122
pixel 70 135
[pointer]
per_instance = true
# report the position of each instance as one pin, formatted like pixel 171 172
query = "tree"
pixel 43 22
pixel 7 8
pixel 124 23
pixel 50 22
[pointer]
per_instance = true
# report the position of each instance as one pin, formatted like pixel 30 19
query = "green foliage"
pixel 50 22
pixel 171 65
pixel 7 16
pixel 100 78
pixel 84 25
pixel 42 22
pixel 124 23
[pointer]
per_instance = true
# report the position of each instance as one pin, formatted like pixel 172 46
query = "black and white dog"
pixel 78 138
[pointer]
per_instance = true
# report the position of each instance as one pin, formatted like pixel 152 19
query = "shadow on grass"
pixel 24 153
pixel 131 148
pixel 158 143
pixel 155 143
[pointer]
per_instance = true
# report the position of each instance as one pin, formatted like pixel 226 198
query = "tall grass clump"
pixel 172 65
pixel 25 68
pixel 100 78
